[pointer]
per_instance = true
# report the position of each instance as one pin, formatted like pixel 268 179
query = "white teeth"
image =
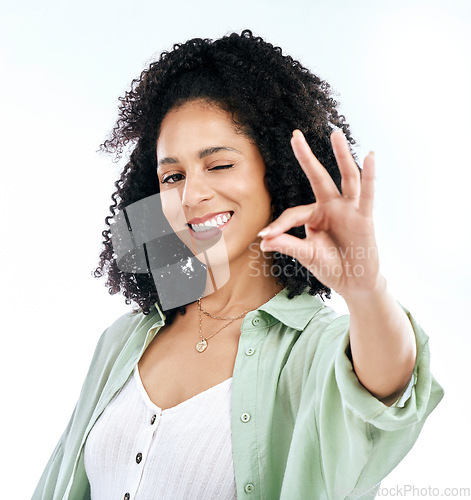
pixel 210 223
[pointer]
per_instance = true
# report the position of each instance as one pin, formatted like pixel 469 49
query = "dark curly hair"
pixel 266 93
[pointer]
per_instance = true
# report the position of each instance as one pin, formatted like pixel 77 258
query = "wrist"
pixel 375 292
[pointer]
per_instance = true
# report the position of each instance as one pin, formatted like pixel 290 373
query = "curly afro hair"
pixel 267 94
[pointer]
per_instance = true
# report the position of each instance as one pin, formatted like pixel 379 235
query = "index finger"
pixel 321 182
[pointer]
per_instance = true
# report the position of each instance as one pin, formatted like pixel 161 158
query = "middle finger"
pixel 347 166
pixel 321 182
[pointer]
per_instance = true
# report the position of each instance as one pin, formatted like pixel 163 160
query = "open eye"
pixel 165 180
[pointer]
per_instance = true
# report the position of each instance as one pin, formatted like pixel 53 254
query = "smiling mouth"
pixel 217 222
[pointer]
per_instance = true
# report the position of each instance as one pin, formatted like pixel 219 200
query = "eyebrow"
pixel 202 154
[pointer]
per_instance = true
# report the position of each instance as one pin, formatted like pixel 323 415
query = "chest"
pixel 150 454
pixel 173 371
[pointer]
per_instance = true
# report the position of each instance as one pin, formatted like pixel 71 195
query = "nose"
pixel 196 190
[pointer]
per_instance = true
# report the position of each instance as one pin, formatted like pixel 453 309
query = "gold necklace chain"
pixel 215 317
pixel 203 343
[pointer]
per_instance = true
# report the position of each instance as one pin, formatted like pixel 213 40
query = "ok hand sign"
pixel 339 248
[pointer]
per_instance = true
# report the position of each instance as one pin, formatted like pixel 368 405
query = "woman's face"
pixel 209 174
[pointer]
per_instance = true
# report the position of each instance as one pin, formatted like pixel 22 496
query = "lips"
pixel 212 226
pixel 209 217
pixel 210 221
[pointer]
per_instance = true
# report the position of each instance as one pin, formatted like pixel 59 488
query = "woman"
pixel 248 385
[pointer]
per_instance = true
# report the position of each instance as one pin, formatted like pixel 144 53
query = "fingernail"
pixel 372 153
pixel 297 133
pixel 263 232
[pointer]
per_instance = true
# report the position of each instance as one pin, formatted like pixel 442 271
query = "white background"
pixel 402 73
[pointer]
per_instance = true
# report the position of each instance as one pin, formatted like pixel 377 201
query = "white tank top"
pixel 136 451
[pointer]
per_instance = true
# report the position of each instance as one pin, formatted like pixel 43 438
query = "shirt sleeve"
pixel 362 439
pixel 46 487
pixel 54 479
pixel 117 351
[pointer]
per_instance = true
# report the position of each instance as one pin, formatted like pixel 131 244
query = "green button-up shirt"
pixel 303 427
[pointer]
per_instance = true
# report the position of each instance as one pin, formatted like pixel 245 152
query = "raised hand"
pixel 340 247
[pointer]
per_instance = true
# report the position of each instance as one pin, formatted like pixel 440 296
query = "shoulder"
pixel 124 329
pixel 307 323
pixel 325 330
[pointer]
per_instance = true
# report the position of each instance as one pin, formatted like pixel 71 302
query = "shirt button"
pixel 245 417
pixel 139 458
pixel 152 420
pixel 249 351
pixel 127 496
pixel 255 321
pixel 248 488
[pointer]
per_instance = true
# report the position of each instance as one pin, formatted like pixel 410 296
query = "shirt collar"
pixel 295 313
pixel 160 317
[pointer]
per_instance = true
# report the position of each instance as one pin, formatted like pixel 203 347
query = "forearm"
pixel 382 342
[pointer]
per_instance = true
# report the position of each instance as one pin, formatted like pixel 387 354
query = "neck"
pixel 250 284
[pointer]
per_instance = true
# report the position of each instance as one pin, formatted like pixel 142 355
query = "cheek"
pixel 250 187
pixel 173 212
pixel 172 209
pixel 256 193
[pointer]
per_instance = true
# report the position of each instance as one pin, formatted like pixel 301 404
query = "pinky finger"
pixel 367 185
